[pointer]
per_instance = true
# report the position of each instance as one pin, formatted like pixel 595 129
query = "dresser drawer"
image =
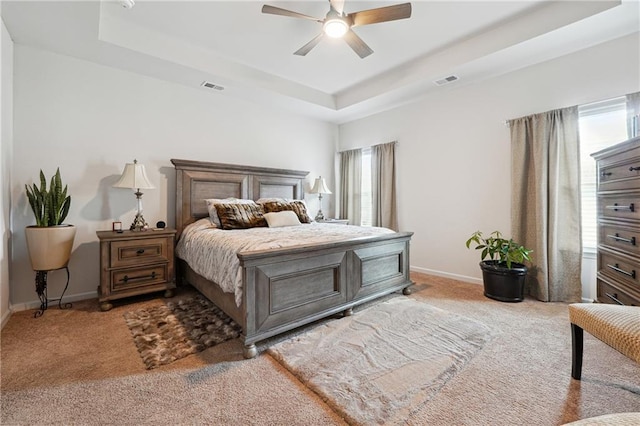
pixel 619 207
pixel 610 293
pixel 620 237
pixel 619 267
pixel 622 175
pixel 136 252
pixel 122 279
pixel 619 166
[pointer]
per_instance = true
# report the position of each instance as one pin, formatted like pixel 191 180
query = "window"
pixel 602 124
pixel 367 186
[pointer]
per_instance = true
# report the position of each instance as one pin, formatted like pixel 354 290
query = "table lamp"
pixel 135 177
pixel 320 187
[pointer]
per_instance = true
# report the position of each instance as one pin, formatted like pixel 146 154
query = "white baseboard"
pixel 5 318
pixel 463 278
pixel 36 303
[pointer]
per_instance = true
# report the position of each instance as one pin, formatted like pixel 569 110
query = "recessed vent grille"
pixel 210 85
pixel 446 80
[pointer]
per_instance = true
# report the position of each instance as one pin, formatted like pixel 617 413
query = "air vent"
pixel 210 85
pixel 446 80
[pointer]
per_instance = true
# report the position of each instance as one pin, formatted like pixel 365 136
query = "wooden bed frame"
pixel 286 288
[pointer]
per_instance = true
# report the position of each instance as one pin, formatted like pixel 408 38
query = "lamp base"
pixel 319 216
pixel 139 224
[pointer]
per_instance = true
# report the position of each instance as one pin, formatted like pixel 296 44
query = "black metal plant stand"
pixel 41 289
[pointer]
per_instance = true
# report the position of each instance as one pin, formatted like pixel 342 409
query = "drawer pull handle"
pixel 140 251
pixel 617 237
pixel 634 169
pixel 605 174
pixel 631 207
pixel 127 278
pixel 616 268
pixel 614 297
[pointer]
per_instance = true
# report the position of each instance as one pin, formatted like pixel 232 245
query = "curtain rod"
pixel 365 147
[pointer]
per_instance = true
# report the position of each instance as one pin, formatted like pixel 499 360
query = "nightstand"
pixel 135 262
pixel 335 221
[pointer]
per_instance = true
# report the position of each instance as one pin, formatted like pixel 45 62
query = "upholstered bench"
pixel 616 325
pixel 616 419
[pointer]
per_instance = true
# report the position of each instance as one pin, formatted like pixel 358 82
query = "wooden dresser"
pixel 135 262
pixel 618 193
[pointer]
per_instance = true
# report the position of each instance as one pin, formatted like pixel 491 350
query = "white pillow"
pixel 283 218
pixel 213 213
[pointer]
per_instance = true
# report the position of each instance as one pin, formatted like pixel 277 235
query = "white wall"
pixel 454 147
pixel 90 120
pixel 6 129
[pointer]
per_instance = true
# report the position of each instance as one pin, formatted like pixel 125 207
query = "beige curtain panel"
pixel 384 210
pixel 545 211
pixel 350 185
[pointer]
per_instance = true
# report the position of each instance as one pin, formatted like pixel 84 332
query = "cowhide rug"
pixel 169 332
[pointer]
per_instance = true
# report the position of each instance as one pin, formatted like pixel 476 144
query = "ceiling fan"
pixel 339 24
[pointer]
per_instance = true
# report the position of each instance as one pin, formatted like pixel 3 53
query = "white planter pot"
pixel 50 247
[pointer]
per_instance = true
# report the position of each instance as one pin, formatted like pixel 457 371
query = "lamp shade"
pixel 134 176
pixel 320 187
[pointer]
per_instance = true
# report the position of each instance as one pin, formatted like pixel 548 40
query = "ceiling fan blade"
pixel 284 12
pixel 307 47
pixel 338 5
pixel 381 14
pixel 357 44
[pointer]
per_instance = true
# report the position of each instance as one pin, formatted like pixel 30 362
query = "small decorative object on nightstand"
pixel 334 221
pixel 133 263
pixel 320 187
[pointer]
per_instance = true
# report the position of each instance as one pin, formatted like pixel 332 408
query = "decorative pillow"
pixel 240 215
pixel 211 207
pixel 273 200
pixel 283 218
pixel 297 206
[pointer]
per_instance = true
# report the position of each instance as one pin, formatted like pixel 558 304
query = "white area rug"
pixel 376 366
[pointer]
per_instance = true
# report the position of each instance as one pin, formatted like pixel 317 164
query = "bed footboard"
pixel 285 289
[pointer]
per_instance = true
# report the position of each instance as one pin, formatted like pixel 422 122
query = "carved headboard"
pixel 197 181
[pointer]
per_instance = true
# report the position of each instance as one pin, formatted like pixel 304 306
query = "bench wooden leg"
pixel 577 335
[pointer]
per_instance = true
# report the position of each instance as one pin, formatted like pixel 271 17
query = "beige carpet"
pixel 376 366
pixel 80 366
pixel 165 333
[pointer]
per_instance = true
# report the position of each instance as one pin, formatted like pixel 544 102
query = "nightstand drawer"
pixel 135 262
pixel 135 252
pixel 138 277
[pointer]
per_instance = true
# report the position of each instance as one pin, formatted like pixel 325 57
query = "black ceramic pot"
pixel 502 283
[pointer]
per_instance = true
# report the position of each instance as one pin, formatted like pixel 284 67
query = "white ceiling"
pixel 234 45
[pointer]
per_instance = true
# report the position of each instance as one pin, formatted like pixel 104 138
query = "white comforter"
pixel 212 252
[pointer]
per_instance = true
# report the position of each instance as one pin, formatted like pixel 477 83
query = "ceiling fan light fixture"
pixel 335 27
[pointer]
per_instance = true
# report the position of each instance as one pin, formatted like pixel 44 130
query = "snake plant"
pixel 50 206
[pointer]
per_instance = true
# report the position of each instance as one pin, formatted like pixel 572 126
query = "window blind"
pixel 602 124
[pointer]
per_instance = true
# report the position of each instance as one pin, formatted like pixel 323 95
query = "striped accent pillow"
pixel 240 216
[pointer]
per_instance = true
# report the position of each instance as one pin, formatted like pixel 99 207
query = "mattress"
pixel 213 252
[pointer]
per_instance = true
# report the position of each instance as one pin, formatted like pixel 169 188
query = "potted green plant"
pixel 50 241
pixel 504 273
